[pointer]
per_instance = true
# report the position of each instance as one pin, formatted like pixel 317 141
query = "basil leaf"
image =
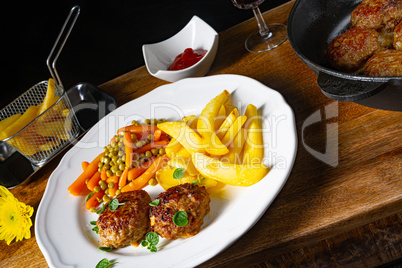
pixel 144 243
pixel 105 263
pixel 92 222
pixel 107 249
pixel 114 204
pixel 152 238
pixel 180 218
pixel 154 203
pixel 178 173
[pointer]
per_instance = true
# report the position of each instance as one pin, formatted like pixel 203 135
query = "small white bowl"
pixel 197 34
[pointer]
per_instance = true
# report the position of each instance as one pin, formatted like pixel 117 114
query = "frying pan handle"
pixel 343 89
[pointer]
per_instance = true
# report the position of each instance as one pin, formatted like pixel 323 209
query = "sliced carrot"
pixel 128 148
pixel 151 145
pixel 157 135
pixel 138 129
pixel 103 174
pixel 123 178
pixel 112 191
pixel 93 200
pixel 76 187
pixel 133 173
pixel 94 181
pixel 142 180
pixel 114 179
pixel 84 165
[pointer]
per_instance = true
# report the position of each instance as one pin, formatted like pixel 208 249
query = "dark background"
pixel 106 40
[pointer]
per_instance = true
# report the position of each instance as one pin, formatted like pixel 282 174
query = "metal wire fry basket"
pixel 54 128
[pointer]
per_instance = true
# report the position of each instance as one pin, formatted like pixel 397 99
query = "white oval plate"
pixel 62 226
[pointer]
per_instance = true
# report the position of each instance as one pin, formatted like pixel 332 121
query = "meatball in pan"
pixel 128 224
pixel 387 62
pixel 349 51
pixel 192 199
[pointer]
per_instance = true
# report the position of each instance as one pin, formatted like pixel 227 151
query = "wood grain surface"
pixel 342 203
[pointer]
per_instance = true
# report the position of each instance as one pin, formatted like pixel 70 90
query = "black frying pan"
pixel 312 25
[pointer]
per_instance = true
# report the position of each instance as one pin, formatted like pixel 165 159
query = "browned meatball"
pixel 382 15
pixel 349 51
pixel 192 199
pixel 129 223
pixel 398 37
pixel 385 63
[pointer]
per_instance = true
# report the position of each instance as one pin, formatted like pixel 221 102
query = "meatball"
pixel 349 51
pixel 382 15
pixel 129 223
pixel 387 62
pixel 192 199
pixel 398 37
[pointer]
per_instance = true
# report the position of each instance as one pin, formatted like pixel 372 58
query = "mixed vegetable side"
pixel 218 146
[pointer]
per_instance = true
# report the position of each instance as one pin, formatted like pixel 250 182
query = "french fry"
pixel 253 148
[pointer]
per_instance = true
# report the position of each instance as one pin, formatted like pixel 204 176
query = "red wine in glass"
pixel 267 37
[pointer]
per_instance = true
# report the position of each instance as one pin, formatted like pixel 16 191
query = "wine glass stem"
pixel 262 26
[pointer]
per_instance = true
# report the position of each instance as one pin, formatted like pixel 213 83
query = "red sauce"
pixel 186 59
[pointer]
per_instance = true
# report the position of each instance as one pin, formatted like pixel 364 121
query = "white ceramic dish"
pixel 62 224
pixel 196 35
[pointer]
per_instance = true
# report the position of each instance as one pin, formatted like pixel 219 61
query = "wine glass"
pixel 268 37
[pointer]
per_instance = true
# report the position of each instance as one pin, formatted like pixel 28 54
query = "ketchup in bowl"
pixel 186 59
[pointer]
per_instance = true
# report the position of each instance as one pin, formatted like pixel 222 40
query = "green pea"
pixel 106 198
pixel 161 151
pixel 110 185
pixel 147 121
pixel 109 173
pixel 154 151
pixel 148 153
pixel 97 189
pixel 118 173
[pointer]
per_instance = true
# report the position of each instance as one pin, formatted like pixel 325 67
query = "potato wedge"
pixel 8 121
pixel 185 163
pixel 55 128
pixel 220 117
pixel 173 147
pixel 230 135
pixel 165 179
pixel 232 174
pixel 184 134
pixel 227 123
pixel 253 151
pixel 234 156
pixel 191 121
pixel 29 115
pixel 206 125
pixel 50 97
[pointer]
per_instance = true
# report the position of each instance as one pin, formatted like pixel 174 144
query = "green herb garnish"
pixel 114 204
pixel 180 218
pixel 154 203
pixel 92 222
pixel 89 196
pixel 107 249
pixel 105 263
pixel 178 173
pixel 197 180
pixel 96 229
pixel 101 210
pixel 150 242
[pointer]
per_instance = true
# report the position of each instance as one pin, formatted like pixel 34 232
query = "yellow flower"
pixel 15 217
